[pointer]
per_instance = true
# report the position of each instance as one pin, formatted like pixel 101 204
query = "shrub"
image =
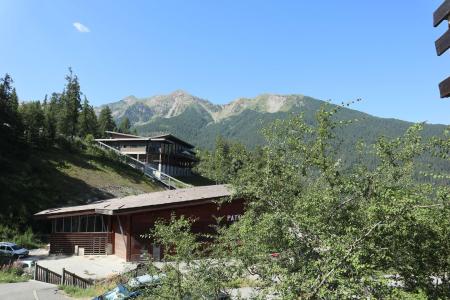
pixel 12 273
pixel 25 239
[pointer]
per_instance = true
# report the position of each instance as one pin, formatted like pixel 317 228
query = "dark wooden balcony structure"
pixel 443 43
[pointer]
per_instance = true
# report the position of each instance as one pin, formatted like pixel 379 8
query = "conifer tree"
pixel 87 120
pixel 9 104
pixel 33 121
pixel 105 121
pixel 125 125
pixel 51 110
pixel 71 104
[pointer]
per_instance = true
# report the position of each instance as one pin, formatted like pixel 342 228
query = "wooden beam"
pixel 444 88
pixel 443 43
pixel 441 13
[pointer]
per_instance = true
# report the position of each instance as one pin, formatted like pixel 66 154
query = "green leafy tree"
pixel 70 106
pixel 125 125
pixel 87 121
pixel 338 230
pixel 105 121
pixel 188 275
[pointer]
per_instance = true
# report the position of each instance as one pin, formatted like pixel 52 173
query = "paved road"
pixel 30 290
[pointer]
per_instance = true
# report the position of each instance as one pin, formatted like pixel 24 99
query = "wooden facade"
pixel 93 243
pixel 123 226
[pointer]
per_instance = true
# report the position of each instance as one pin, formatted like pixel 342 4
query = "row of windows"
pixel 80 224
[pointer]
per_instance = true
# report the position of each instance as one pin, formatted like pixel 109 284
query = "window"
pixel 75 224
pixel 99 224
pixel 83 224
pixel 59 225
pixel 91 224
pixel 67 224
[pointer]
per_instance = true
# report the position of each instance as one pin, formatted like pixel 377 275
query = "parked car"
pixel 13 250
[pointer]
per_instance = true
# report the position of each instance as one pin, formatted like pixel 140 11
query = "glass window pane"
pixel 75 222
pixel 99 224
pixel 67 224
pixel 83 223
pixel 91 224
pixel 59 225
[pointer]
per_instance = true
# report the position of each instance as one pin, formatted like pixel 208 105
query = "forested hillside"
pixel 48 158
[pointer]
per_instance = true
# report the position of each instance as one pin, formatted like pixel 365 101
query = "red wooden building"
pixel 115 226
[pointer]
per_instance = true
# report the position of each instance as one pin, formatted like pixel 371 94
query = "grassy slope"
pixel 81 177
pixel 33 180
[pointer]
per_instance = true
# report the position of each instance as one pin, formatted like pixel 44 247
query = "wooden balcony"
pixel 133 150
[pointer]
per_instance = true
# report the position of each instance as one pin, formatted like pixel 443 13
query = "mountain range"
pixel 199 121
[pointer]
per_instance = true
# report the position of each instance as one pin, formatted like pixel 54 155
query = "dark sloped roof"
pixel 143 201
pixel 130 137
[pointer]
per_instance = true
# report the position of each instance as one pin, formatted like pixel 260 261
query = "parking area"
pixel 92 267
pixel 31 290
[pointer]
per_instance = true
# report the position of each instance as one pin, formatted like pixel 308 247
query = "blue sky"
pixel 381 51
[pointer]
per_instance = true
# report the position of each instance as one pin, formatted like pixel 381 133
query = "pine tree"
pixel 125 125
pixel 51 110
pixel 9 104
pixel 87 120
pixel 71 104
pixel 105 121
pixel 34 122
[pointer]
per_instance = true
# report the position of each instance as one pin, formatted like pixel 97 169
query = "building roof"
pixel 124 134
pixel 131 137
pixel 149 201
pixel 172 138
pixel 123 139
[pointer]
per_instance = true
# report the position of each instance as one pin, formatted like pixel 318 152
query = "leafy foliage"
pixel 224 163
pixel 339 231
pixel 186 276
pixel 12 273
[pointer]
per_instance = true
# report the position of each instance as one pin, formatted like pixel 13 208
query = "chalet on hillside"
pixel 116 226
pixel 166 153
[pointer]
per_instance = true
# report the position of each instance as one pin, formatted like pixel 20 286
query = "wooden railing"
pixel 69 278
pixel 46 275
pixel 167 180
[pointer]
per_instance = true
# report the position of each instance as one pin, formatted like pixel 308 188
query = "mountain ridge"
pixel 199 121
pixel 175 103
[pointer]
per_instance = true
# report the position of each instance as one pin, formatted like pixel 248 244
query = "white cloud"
pixel 80 27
